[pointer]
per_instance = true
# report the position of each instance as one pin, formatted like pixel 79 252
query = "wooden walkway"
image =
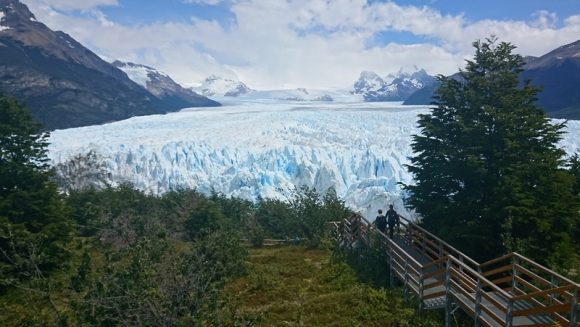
pixel 508 291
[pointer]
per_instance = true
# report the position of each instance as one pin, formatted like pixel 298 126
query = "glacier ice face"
pixel 264 149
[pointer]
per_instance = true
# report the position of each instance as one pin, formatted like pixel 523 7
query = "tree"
pixel 34 224
pixel 574 168
pixel 487 166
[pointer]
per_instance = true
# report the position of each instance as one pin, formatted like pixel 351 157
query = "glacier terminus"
pixel 255 148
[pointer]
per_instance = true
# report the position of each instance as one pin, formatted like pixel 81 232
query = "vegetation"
pixel 120 257
pixel 298 286
pixel 34 222
pixel 488 172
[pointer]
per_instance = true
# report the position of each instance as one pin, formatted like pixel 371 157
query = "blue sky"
pixel 140 11
pixel 310 43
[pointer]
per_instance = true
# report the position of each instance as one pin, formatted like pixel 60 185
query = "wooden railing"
pixel 508 291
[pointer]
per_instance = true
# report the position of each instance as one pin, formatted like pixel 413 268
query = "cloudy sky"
pixel 305 43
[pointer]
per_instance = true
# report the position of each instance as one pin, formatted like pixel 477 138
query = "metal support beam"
pixel 448 294
pixel 574 314
pixel 509 315
pixel 478 303
pixel 406 287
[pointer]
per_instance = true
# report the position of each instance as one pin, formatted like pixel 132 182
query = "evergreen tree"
pixel 487 165
pixel 34 226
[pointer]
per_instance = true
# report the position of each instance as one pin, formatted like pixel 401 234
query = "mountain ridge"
pixel 161 85
pixel 393 87
pixel 556 73
pixel 63 83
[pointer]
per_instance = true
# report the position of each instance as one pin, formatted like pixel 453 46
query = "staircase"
pixel 511 290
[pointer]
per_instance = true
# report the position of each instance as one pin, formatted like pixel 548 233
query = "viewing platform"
pixel 511 290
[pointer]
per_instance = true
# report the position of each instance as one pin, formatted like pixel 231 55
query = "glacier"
pixel 253 149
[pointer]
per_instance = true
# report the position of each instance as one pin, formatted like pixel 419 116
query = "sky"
pixel 274 44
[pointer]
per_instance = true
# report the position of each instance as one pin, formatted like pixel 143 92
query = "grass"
pixel 296 286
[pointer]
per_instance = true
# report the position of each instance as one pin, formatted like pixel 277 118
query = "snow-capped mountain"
pixel 161 85
pixel 63 83
pixel 264 150
pixel 215 86
pixel 298 94
pixel 224 88
pixel 393 87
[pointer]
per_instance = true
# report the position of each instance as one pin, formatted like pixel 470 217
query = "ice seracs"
pixel 267 149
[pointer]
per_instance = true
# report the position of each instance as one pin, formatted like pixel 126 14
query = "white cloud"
pixel 545 19
pixel 304 43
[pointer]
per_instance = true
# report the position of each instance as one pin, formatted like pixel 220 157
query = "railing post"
pixel 509 316
pixel 574 310
pixel 406 289
pixel 514 274
pixel 448 294
pixel 552 285
pixel 423 243
pixel 391 269
pixel 421 283
pixel 478 302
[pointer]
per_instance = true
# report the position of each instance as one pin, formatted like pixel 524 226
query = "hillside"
pixel 556 73
pixel 294 286
pixel 62 82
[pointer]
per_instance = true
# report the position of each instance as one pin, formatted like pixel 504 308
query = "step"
pixel 434 303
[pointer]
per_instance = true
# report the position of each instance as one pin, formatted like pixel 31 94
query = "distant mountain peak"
pixel 214 85
pixel 13 11
pixel 138 73
pixel 408 70
pixel 367 74
pixel 556 57
pixel 158 83
pixel 393 87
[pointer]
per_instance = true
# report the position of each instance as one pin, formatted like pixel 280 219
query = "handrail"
pixel 417 263
pixel 542 293
pixel 464 279
pixel 482 278
pixel 459 253
pixel 496 260
pixel 545 270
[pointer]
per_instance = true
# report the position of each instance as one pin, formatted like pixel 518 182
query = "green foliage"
pixel 369 263
pixel 146 260
pixel 81 172
pixel 487 166
pixel 297 286
pixel 34 222
pixel 153 283
pixel 205 218
pixel 276 217
pixel 313 212
pixel 574 169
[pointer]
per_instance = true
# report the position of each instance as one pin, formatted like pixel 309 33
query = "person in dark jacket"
pixel 381 221
pixel 392 220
